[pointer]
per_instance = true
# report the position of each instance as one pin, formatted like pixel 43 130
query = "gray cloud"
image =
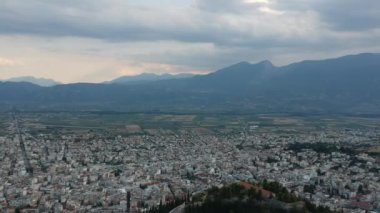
pixel 205 34
pixel 350 15
pixel 205 21
pixel 346 15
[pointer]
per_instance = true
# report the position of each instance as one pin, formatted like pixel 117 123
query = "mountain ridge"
pixel 348 84
pixel 147 77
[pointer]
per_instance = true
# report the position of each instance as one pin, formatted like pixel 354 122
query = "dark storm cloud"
pixel 54 18
pixel 122 22
pixel 205 21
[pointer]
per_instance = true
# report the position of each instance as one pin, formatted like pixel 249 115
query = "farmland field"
pixel 167 123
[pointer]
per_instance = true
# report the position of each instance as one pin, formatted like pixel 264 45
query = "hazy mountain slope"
pixel 347 82
pixel 236 78
pixel 11 91
pixel 38 81
pixel 147 77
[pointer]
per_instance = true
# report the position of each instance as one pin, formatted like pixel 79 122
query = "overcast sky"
pixel 97 40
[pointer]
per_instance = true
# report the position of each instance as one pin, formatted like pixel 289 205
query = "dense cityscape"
pixel 91 172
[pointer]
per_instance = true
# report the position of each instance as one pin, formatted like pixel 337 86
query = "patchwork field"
pixel 166 123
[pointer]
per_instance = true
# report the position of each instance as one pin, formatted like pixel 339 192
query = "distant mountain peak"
pixel 148 77
pixel 44 82
pixel 242 63
pixel 266 63
pixel 267 66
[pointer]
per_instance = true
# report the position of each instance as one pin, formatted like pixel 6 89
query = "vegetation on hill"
pixel 268 197
pixel 167 207
pixel 251 198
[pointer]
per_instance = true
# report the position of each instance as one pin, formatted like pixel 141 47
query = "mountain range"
pixel 349 84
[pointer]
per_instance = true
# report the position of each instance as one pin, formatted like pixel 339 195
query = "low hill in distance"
pixel 44 82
